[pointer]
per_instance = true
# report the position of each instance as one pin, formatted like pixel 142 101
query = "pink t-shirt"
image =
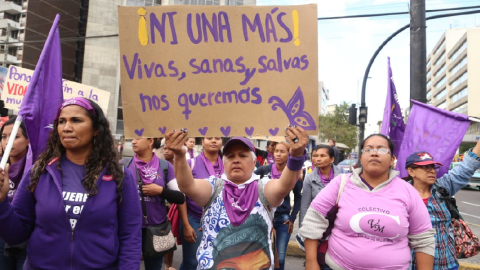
pixel 371 229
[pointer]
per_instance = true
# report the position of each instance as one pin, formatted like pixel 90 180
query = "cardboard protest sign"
pixel 218 70
pixel 16 85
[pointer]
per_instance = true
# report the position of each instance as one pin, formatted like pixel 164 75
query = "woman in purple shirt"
pixel 208 163
pixel 157 185
pixel 76 206
pixel 16 254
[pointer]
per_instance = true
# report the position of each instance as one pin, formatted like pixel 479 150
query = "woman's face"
pixel 75 128
pixel 321 159
pixel 142 145
pixel 281 154
pixel 20 144
pixel 190 143
pixel 167 153
pixel 271 147
pixel 212 144
pixel 373 163
pixel 255 260
pixel 425 174
pixel 238 163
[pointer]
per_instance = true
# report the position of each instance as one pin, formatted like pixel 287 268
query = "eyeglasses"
pixel 380 151
pixel 427 167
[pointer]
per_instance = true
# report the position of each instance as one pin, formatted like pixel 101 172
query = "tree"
pixel 335 125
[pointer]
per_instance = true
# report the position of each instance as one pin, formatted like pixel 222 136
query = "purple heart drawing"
pixel 139 132
pixel 273 131
pixel 225 131
pixel 203 131
pixel 162 129
pixel 249 131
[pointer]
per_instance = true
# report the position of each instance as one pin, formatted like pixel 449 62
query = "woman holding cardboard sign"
pixel 238 203
pixel 77 208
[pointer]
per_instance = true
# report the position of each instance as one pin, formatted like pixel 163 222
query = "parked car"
pixel 474 180
pixel 347 165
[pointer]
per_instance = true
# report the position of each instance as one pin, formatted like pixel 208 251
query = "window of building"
pixel 460 95
pixel 429 83
pixel 458 66
pixel 442 69
pixel 428 61
pixel 459 51
pixel 441 94
pixel 440 59
pixel 429 94
pixel 459 80
pixel 461 109
pixel 439 47
pixel 441 82
pixel 443 105
pixel 429 72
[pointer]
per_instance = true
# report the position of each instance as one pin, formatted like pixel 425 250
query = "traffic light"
pixel 352 115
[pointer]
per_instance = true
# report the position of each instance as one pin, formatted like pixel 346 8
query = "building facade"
pixel 449 86
pixel 323 98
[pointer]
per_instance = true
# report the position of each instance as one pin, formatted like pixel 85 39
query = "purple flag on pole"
pixel 392 124
pixel 44 94
pixel 436 131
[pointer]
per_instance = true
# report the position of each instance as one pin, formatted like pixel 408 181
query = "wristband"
pixel 296 163
pixel 473 155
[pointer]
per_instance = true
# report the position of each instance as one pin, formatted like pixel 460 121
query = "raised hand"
pixel 298 139
pixel 4 183
pixel 175 140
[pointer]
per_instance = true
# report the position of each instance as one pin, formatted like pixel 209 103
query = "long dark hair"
pixel 103 155
pixel 11 121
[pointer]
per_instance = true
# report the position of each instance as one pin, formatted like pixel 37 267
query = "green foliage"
pixel 464 147
pixel 335 125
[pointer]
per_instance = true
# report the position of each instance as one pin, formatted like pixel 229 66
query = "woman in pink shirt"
pixel 380 217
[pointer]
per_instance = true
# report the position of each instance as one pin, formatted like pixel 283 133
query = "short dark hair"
pixel 330 151
pixel 333 140
pixel 391 145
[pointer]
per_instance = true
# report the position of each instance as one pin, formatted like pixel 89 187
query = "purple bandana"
pixel 147 170
pixel 275 173
pixel 216 169
pixel 239 202
pixel 326 180
pixel 270 158
pixel 79 101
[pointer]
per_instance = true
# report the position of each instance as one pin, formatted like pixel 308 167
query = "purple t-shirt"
pixel 74 195
pixel 15 173
pixel 199 172
pixel 155 205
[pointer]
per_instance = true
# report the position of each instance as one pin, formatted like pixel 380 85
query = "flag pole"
pixel 7 150
pixel 474 119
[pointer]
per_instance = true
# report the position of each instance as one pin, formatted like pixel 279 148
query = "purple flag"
pixel 436 131
pixel 44 94
pixel 392 124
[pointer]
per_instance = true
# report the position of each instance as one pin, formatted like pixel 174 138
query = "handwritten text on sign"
pixel 18 79
pixel 218 70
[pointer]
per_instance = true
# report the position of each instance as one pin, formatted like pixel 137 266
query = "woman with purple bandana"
pixel 208 163
pixel 16 254
pixel 237 198
pixel 284 217
pixel 76 206
pixel 151 179
pixel 324 171
pixel 190 144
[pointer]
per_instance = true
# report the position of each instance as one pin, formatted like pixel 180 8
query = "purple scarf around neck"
pixel 216 169
pixel 270 158
pixel 326 180
pixel 190 151
pixel 275 174
pixel 239 202
pixel 147 170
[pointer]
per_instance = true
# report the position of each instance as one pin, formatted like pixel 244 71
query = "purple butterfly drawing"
pixel 295 110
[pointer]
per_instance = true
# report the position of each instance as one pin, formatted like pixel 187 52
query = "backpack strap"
pixel 164 167
pixel 216 191
pixel 263 200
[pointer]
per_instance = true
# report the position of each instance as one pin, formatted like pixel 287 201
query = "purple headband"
pixel 79 101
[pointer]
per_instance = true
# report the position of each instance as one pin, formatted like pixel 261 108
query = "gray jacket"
pixel 311 187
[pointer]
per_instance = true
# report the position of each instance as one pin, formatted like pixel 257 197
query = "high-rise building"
pixel 323 97
pixel 449 86
pixel 24 27
pixel 101 64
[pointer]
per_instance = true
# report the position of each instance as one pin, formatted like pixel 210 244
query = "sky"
pixel 346 46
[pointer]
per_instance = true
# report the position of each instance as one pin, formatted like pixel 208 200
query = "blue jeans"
pixel 282 237
pixel 13 262
pixel 151 263
pixel 189 250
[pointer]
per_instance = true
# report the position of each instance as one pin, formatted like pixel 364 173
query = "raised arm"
pixel 199 190
pixel 277 189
